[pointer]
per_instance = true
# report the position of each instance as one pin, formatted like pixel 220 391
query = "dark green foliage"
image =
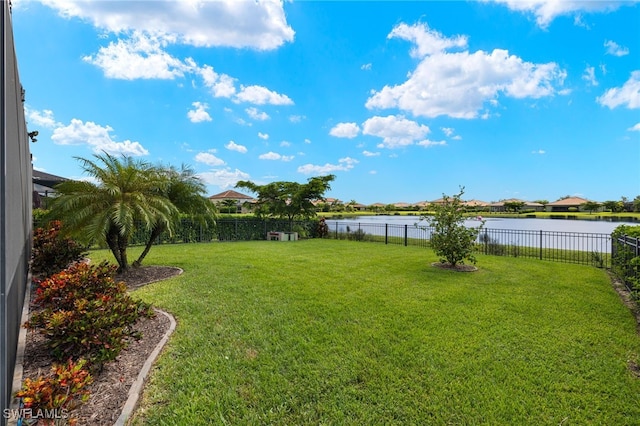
pixel 52 252
pixel 289 200
pixel 83 312
pixel 589 206
pixel 450 239
pixel 626 259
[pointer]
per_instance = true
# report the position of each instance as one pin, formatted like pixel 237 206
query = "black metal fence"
pixel 626 261
pixel 569 247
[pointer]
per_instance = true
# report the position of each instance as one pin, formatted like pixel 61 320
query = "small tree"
pixel 613 206
pixel 514 206
pixel 590 206
pixel 450 239
pixel 288 200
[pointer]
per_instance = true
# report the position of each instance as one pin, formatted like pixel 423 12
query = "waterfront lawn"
pixel 341 332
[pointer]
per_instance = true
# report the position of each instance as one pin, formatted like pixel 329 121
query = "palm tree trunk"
pixel 112 242
pixel 155 233
pixel 123 242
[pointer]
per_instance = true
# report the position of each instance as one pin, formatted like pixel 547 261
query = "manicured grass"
pixel 340 332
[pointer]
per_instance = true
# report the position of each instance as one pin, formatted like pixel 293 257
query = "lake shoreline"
pixel 631 218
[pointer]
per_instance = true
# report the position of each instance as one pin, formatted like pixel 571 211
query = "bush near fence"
pixel 626 256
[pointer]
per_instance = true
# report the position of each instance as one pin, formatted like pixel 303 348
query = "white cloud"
pixel 257 115
pixel 345 130
pixel 259 25
pixel 307 140
pixel 209 159
pixel 426 41
pixel 460 84
pixel 199 114
pixel 42 118
pixel 344 164
pixel 546 11
pixel 96 136
pixel 224 178
pixel 275 156
pixel 263 136
pixel 259 95
pixel 590 76
pixel 370 154
pixel 373 172
pixel 296 118
pixel 448 131
pixel 232 146
pixel 635 128
pixel 285 143
pixel 221 85
pixel 628 95
pixel 141 56
pixel 614 49
pixel 539 152
pixel 428 143
pixel 366 67
pixel 395 131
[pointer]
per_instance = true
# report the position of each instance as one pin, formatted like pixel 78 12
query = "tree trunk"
pixel 155 233
pixel 112 242
pixel 123 242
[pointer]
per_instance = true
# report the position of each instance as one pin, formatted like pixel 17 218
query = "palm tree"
pixel 186 192
pixel 125 195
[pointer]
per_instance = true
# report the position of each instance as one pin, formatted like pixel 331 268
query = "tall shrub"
pixel 52 252
pixel 450 239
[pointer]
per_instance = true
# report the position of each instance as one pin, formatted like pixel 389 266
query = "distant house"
pixel 226 199
pixel 377 207
pixel 475 204
pixel 402 205
pixel 527 205
pixel 565 204
pixel 43 187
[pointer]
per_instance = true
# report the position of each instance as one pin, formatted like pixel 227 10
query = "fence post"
pixel 386 233
pixel 541 244
pixel 405 235
pixel 336 230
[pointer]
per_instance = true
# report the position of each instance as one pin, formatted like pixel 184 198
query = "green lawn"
pixel 340 332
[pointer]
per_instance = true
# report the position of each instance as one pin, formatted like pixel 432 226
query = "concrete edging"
pixel 136 387
pixel 22 344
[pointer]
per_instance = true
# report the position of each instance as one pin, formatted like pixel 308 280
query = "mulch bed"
pixel 458 268
pixel 110 388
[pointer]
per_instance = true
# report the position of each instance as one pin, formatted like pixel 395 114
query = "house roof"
pixel 230 195
pixel 402 204
pixel 475 203
pixel 571 201
pixel 46 179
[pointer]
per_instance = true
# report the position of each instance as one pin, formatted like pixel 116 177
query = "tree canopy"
pixel 288 200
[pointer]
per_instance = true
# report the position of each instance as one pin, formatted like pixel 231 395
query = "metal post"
pixel 405 235
pixel 386 233
pixel 541 244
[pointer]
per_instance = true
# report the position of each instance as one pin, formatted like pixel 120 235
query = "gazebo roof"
pixel 230 195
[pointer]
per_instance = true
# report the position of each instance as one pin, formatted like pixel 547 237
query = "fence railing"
pixel 626 261
pixel 569 247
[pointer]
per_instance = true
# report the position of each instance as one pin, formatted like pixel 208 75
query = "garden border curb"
pixel 136 387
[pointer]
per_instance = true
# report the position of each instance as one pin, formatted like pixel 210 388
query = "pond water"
pixel 555 225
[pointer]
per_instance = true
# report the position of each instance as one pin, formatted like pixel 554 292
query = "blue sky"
pixel 402 101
